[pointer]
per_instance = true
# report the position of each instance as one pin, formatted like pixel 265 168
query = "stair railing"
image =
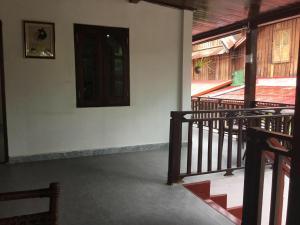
pixel 214 141
pixel 260 145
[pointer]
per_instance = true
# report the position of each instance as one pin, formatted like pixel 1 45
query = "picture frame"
pixel 39 39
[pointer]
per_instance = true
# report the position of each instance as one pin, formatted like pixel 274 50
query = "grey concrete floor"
pixel 126 188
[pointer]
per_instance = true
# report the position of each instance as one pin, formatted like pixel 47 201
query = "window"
pixel 281 46
pixel 102 66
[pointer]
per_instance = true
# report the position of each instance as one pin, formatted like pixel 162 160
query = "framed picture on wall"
pixel 39 39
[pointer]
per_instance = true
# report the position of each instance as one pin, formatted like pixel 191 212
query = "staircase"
pixel 218 202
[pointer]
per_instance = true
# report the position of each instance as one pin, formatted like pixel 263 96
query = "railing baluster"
pixel 209 148
pixel 200 147
pixel 215 115
pixel 273 124
pixel 277 192
pixel 292 126
pixel 229 148
pixel 267 123
pixel 220 143
pixel 199 114
pixel 190 148
pixel 209 108
pixel 198 107
pixel 278 122
pixel 193 107
pixel 240 143
pixel 205 114
pixel 286 125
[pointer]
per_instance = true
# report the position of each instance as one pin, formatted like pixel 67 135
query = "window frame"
pixel 277 33
pixel 102 98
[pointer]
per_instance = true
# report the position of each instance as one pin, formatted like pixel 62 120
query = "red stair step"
pixel 223 211
pixel 218 202
pixel 200 189
pixel 236 211
pixel 221 200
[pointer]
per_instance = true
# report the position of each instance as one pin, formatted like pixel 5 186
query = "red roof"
pixel 285 95
pixel 277 94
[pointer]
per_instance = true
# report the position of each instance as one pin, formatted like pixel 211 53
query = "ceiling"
pixel 212 14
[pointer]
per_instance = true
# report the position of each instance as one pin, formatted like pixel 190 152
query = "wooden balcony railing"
pixel 261 145
pixel 215 138
pixel 206 103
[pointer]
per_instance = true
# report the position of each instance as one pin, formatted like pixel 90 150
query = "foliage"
pixel 200 63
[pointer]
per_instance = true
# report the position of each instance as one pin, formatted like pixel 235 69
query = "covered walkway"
pixel 119 189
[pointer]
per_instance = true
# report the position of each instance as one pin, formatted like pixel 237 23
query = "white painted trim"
pixel 86 153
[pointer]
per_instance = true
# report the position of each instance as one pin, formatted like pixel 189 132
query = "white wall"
pixel 41 103
pixel 186 63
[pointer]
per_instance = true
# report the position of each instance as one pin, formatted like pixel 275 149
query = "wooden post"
pixel 253 183
pixel 175 148
pixel 294 193
pixel 251 56
pixel 250 66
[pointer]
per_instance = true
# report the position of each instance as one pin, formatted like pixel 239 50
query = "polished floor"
pixel 119 189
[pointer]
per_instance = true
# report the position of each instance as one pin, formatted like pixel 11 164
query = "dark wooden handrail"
pixel 231 110
pixel 231 118
pixel 270 135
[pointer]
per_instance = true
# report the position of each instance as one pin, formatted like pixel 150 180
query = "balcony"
pixel 213 141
